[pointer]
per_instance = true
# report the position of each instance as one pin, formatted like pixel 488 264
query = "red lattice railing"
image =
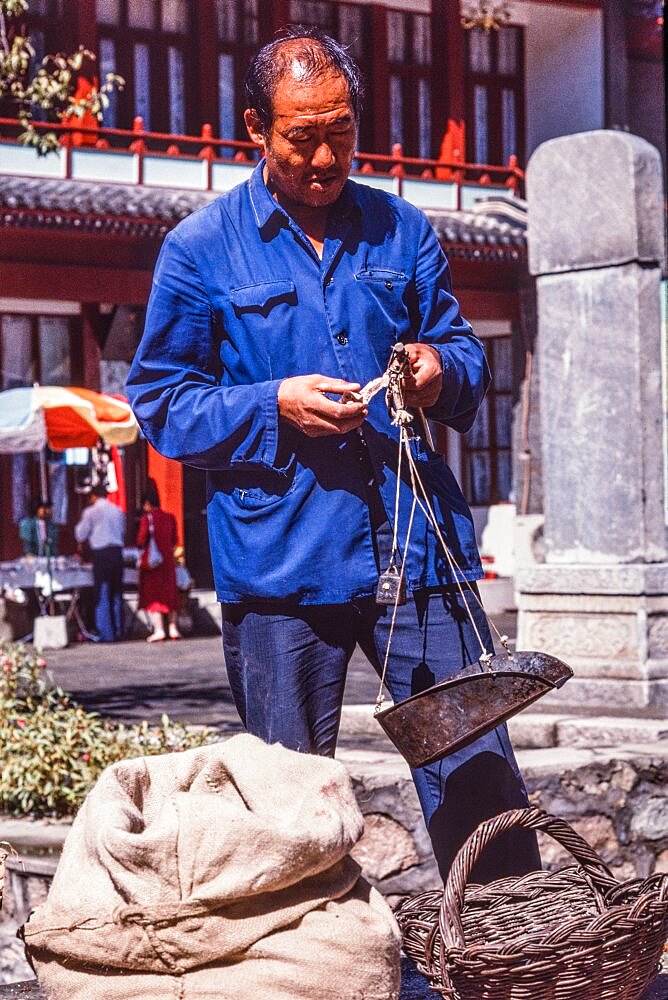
pixel 211 150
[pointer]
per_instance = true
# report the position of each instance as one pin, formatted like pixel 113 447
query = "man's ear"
pixel 254 127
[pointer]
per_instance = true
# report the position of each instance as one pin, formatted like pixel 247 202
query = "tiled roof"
pixel 494 230
pixel 125 209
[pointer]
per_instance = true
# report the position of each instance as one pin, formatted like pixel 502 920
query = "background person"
pixel 158 594
pixel 267 305
pixel 39 532
pixel 102 526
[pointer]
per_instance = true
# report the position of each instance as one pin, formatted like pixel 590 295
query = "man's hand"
pixel 303 403
pixel 423 386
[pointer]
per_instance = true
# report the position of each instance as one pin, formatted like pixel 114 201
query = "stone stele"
pixel 600 599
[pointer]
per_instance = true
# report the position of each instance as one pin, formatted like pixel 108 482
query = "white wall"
pixel 563 69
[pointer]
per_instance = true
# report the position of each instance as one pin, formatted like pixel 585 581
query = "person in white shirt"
pixel 102 525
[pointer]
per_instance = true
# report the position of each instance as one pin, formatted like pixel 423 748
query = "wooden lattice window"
pixel 45 20
pixel 409 45
pixel 487 446
pixel 150 43
pixel 241 29
pixel 495 95
pixel 38 349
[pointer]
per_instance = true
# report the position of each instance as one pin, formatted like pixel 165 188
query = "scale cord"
pixel 395 530
pixel 454 566
pixel 457 573
pixel 403 437
pixel 392 381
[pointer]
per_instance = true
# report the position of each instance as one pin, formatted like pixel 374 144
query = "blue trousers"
pixel 287 670
pixel 108 592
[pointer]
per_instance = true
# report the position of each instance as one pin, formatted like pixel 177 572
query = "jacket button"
pixel 342 339
pixel 389 286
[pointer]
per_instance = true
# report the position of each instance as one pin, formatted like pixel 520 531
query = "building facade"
pixel 450 118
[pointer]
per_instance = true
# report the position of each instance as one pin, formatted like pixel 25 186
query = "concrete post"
pixel 596 246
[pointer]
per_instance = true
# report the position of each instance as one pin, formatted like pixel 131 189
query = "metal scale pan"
pixel 450 715
pixel 458 711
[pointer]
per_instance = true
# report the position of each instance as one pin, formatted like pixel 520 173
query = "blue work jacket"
pixel 240 300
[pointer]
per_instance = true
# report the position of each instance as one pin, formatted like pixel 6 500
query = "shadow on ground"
pixel 133 703
pixel 135 680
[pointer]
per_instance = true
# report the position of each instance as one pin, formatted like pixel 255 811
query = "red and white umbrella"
pixel 63 417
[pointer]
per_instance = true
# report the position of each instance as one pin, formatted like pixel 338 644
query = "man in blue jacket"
pixel 268 305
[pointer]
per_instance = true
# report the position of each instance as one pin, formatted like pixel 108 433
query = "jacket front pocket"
pixel 389 278
pixel 255 487
pixel 382 293
pixel 262 297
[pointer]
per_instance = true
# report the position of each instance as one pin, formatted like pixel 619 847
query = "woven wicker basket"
pixel 576 934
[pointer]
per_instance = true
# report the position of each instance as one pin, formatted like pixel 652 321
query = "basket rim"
pixel 521 885
pixel 575 932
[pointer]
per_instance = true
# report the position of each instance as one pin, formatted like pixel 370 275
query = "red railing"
pixel 212 150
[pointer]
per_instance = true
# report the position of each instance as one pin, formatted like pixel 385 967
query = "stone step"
pixel 531 730
pixel 35 837
pixel 610 731
pixel 528 730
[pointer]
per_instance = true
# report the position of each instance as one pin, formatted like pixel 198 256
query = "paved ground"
pixel 130 681
pixel 134 680
pixel 411 989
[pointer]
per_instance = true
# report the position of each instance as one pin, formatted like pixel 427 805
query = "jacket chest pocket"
pixel 261 299
pixel 383 290
pixel 259 331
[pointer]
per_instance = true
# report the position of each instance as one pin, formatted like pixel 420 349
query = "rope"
pixel 403 438
pixel 391 381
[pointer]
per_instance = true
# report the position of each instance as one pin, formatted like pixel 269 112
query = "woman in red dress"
pixel 157 587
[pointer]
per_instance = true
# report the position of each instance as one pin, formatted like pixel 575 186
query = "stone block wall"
pixel 616 799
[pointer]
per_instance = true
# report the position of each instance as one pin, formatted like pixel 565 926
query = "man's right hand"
pixel 303 403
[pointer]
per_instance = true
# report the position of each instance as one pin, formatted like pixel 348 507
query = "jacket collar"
pixel 266 208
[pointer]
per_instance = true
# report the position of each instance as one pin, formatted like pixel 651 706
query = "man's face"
pixel 44 513
pixel 310 145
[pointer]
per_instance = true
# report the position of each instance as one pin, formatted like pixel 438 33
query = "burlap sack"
pixel 221 872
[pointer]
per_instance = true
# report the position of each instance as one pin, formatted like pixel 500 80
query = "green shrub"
pixel 53 751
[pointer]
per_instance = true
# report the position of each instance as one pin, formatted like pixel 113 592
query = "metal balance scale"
pixel 450 715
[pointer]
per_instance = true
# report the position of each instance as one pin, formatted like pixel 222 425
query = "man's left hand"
pixel 423 386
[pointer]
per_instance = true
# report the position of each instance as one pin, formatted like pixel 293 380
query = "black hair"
pixel 150 494
pixel 99 490
pixel 319 54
